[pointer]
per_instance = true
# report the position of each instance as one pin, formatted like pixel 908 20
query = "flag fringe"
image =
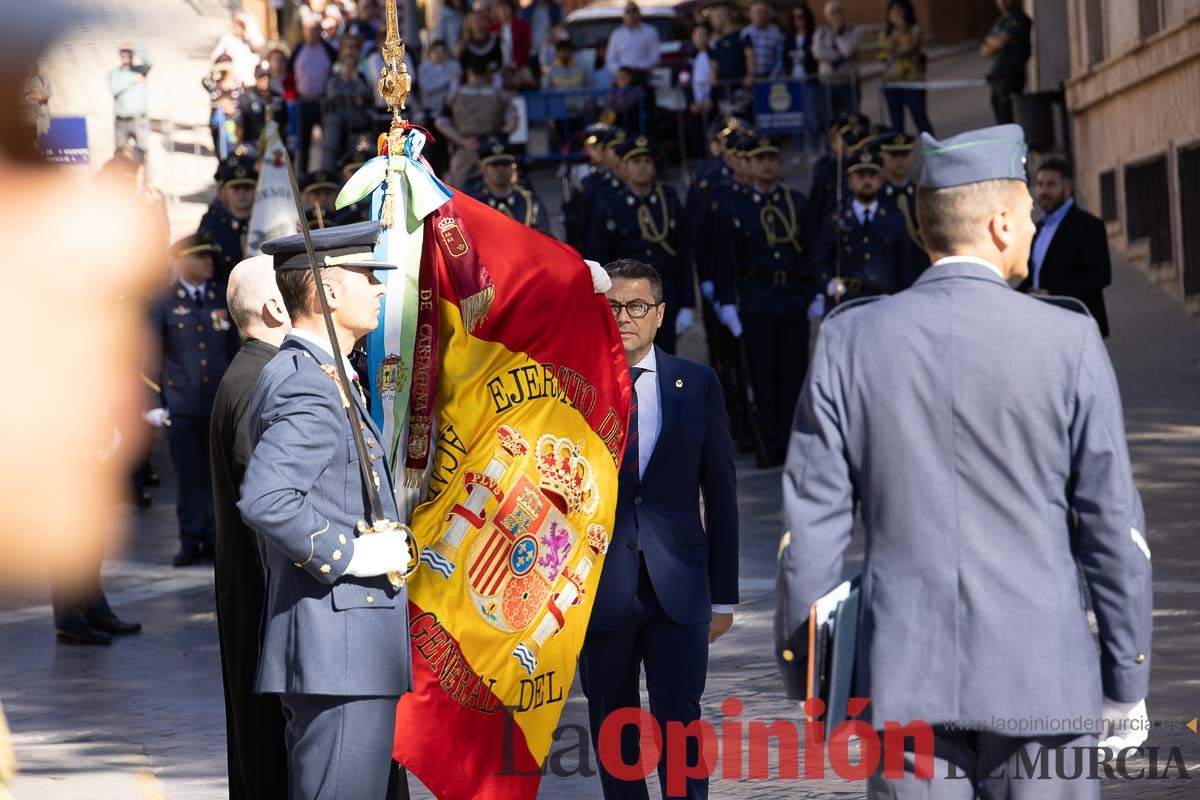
pixel 475 307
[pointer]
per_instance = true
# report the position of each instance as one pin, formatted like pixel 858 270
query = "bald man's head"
pixel 255 303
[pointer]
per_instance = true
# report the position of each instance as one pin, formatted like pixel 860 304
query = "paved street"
pixel 145 718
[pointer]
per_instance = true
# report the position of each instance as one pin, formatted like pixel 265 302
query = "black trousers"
pixel 77 601
pixel 188 437
pixel 676 661
pixel 775 331
pixel 309 116
pixel 1004 87
pixel 665 338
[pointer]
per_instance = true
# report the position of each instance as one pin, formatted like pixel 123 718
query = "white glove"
pixel 706 289
pixel 1126 724
pixel 683 321
pixel 157 417
pixel 816 309
pixel 601 283
pixel 729 318
pixel 379 554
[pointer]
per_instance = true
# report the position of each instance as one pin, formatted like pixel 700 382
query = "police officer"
pixel 595 136
pixel 334 631
pixel 700 204
pixel 864 249
pixel 844 133
pixel 979 433
pixel 500 190
pixel 764 283
pixel 642 219
pixel 197 340
pixel 361 150
pixel 604 181
pixel 900 192
pixel 319 190
pixel 227 220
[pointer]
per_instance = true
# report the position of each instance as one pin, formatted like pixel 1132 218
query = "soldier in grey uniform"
pixel 980 437
pixel 334 636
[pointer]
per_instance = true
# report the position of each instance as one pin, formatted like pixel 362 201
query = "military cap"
pixel 359 153
pixel 848 120
pixel 867 158
pixel 319 179
pixel 236 170
pixel 986 154
pixel 338 246
pixel 493 149
pixel 596 133
pixel 895 142
pixel 614 137
pixel 740 141
pixel 631 148
pixel 761 145
pixel 199 242
pixel 722 127
pixel 263 70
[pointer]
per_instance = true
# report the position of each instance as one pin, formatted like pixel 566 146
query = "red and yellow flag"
pixel 532 397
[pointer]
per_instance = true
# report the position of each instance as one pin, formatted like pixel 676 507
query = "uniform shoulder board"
pixel 1069 303
pixel 857 302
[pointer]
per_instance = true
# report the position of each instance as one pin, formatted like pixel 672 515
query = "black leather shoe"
pixel 84 634
pixel 187 555
pixel 111 624
pixel 206 550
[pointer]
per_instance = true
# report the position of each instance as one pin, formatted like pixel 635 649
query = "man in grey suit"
pixel 335 634
pixel 978 431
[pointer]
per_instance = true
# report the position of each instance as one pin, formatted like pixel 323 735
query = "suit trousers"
pixel 989 765
pixel 676 660
pixel 340 747
pixel 665 338
pixel 188 437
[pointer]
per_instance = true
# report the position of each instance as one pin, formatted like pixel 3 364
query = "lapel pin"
pixel 679 383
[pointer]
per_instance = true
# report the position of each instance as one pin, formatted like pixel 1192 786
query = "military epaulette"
pixel 849 304
pixel 1069 303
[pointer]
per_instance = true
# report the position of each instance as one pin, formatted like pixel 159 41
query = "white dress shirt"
pixel 649 423
pixel 632 47
pixel 861 211
pixel 983 262
pixel 323 343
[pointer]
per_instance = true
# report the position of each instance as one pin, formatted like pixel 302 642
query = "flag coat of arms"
pixel 532 401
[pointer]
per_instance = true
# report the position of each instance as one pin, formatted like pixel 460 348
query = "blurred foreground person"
pixel 253 723
pixel 979 433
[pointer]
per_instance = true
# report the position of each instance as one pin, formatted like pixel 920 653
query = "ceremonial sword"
pixel 379 521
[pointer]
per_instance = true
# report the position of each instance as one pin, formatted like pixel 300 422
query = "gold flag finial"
pixel 394 81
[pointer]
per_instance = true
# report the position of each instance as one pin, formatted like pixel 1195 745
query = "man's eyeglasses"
pixel 637 309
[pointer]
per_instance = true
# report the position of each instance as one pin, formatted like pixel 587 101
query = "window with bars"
pixel 1148 207
pixel 1108 195
pixel 1148 17
pixel 1189 209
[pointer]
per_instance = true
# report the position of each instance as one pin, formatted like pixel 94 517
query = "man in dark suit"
pixel 254 724
pixel 670 579
pixel 1070 249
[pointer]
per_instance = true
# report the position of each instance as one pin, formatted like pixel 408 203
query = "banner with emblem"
pixel 274 211
pixel 521 442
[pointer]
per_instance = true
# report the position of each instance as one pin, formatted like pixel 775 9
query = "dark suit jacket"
pixel 254 723
pixel 692 564
pixel 1077 263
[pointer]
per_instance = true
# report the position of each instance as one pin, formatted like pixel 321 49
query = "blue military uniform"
pixel 198 340
pixel 978 435
pixel 849 130
pixel 334 646
pixel 220 225
pixel 319 181
pixel 761 264
pixel 903 198
pixel 521 203
pixel 595 187
pixel 649 228
pixel 870 255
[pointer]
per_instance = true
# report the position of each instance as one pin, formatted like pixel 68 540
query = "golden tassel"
pixel 476 307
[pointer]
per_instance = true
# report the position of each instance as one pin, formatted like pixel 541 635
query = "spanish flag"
pixel 520 397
